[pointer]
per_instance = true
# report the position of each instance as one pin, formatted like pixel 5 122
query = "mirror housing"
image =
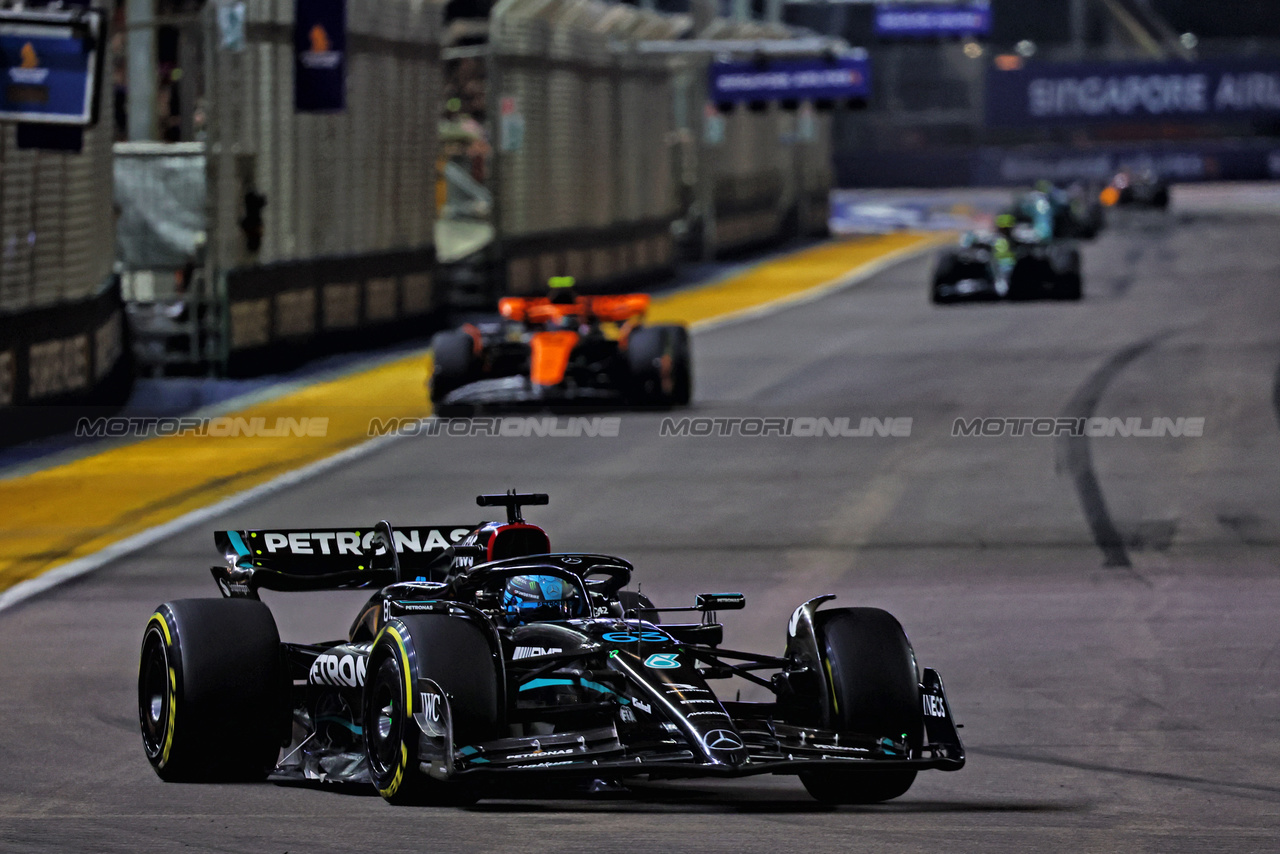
pixel 721 601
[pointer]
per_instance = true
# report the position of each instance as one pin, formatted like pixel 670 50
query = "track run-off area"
pixel 1105 610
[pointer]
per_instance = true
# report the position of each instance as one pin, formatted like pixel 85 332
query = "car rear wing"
pixel 334 559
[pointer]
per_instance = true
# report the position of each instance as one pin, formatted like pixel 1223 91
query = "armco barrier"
pixel 54 361
pixel 279 315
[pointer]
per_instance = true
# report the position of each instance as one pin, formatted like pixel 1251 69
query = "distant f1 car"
pixel 1060 213
pixel 1137 188
pixel 549 351
pixel 1015 262
pixel 483 657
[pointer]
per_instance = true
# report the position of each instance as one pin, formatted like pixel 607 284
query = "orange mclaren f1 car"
pixel 562 350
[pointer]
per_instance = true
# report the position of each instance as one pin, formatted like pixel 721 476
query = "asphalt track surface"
pixel 1105 612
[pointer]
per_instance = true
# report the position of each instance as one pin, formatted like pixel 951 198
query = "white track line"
pixel 24 590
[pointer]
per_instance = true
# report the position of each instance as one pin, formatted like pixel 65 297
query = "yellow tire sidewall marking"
pixel 158 620
pixel 403 765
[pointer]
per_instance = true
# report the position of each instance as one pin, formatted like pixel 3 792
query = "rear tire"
pixel 453 354
pixel 945 272
pixel 212 694
pixel 660 363
pixel 454 654
pixel 875 690
pixel 1030 278
pixel 1069 285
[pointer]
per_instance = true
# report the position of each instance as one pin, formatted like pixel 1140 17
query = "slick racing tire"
pixel 212 692
pixel 453 355
pixel 659 359
pixel 946 272
pixel 1068 284
pixel 455 654
pixel 875 690
pixel 1070 287
pixel 1030 278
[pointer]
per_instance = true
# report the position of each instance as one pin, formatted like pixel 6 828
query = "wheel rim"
pixel 385 719
pixel 153 692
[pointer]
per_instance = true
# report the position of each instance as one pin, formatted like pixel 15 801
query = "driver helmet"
pixel 561 290
pixel 538 598
pixel 1005 222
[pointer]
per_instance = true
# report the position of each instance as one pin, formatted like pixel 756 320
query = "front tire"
pixel 875 690
pixel 1069 285
pixel 454 654
pixel 212 695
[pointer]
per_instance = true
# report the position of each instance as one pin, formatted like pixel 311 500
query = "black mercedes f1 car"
pixel 1021 264
pixel 483 658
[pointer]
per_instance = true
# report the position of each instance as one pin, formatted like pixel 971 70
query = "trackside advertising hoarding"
pixel 1071 94
pixel 790 79
pixel 320 56
pixel 51 66
pixel 961 19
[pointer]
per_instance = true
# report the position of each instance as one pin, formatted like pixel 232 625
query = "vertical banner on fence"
pixel 320 55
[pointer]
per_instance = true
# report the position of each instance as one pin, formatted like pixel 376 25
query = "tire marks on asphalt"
pixel 1076 458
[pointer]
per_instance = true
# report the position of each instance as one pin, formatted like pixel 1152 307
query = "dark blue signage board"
pixel 1090 93
pixel 320 56
pixel 916 21
pixel 790 79
pixel 51 66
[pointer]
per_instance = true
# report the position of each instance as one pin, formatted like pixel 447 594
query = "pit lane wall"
pixel 61 323
pixel 342 200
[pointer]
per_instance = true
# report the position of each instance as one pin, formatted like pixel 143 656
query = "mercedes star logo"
pixel 722 739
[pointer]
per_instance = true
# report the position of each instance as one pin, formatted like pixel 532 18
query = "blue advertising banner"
pixel 320 56
pixel 1219 90
pixel 790 79
pixel 51 67
pixel 900 21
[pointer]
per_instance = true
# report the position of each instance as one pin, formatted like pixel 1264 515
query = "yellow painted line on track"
pixel 67 519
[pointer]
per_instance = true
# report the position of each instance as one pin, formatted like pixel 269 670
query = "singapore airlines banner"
pixel 1045 94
